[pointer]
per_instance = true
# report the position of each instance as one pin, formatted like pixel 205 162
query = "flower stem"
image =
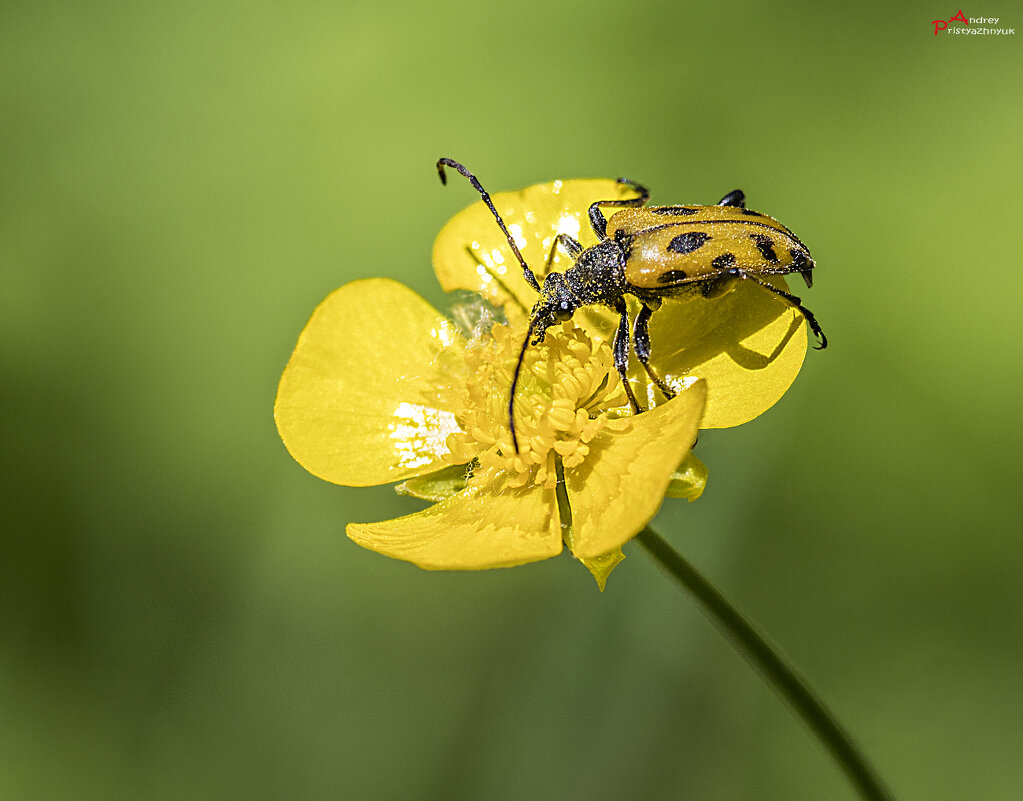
pixel 779 675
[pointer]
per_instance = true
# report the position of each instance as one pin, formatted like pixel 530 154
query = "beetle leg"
pixel 641 341
pixel 621 352
pixel 641 334
pixel 793 302
pixel 642 191
pixel 571 246
pixel 597 219
pixel 735 198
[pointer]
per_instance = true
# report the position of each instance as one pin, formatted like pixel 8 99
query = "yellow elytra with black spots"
pixel 653 253
pixel 684 247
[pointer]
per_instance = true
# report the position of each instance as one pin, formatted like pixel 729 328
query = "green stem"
pixel 779 675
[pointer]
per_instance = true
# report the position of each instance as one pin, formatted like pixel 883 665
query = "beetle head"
pixel 556 304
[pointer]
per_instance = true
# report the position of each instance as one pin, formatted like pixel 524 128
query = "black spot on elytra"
pixel 751 213
pixel 688 242
pixel 800 259
pixel 672 277
pixel 765 245
pixel 724 261
pixel 674 211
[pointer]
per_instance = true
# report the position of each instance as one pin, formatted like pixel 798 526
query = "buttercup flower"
pixel 382 388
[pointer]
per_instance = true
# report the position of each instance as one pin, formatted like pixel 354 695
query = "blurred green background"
pixel 181 616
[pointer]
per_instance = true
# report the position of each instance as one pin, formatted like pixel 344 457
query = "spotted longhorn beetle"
pixel 653 253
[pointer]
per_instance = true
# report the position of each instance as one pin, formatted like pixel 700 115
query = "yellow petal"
pixel 472 253
pixel 619 489
pixel 747 344
pixel 480 527
pixel 365 398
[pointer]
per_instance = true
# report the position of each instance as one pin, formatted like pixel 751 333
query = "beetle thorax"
pixel 598 275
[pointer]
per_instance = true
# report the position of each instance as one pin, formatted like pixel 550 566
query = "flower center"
pixel 568 392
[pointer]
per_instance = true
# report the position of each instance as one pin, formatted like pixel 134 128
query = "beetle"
pixel 652 253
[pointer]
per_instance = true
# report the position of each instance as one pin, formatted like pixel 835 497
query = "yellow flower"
pixel 382 388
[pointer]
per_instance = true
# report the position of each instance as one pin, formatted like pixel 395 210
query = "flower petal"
pixel 480 527
pixel 614 494
pixel 363 399
pixel 747 344
pixel 472 253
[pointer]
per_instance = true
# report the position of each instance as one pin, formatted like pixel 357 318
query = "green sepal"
pixel 689 479
pixel 435 487
pixel 601 566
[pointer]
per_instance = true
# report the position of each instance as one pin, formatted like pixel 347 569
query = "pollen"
pixel 568 394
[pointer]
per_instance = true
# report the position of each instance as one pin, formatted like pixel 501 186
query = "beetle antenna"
pixel 515 382
pixel 526 272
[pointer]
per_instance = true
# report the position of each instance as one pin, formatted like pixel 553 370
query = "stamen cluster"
pixel 569 392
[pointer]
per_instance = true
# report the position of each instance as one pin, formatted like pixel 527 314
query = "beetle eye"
pixel 563 311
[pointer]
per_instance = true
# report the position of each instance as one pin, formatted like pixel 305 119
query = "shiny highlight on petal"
pixel 419 434
pixel 367 395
